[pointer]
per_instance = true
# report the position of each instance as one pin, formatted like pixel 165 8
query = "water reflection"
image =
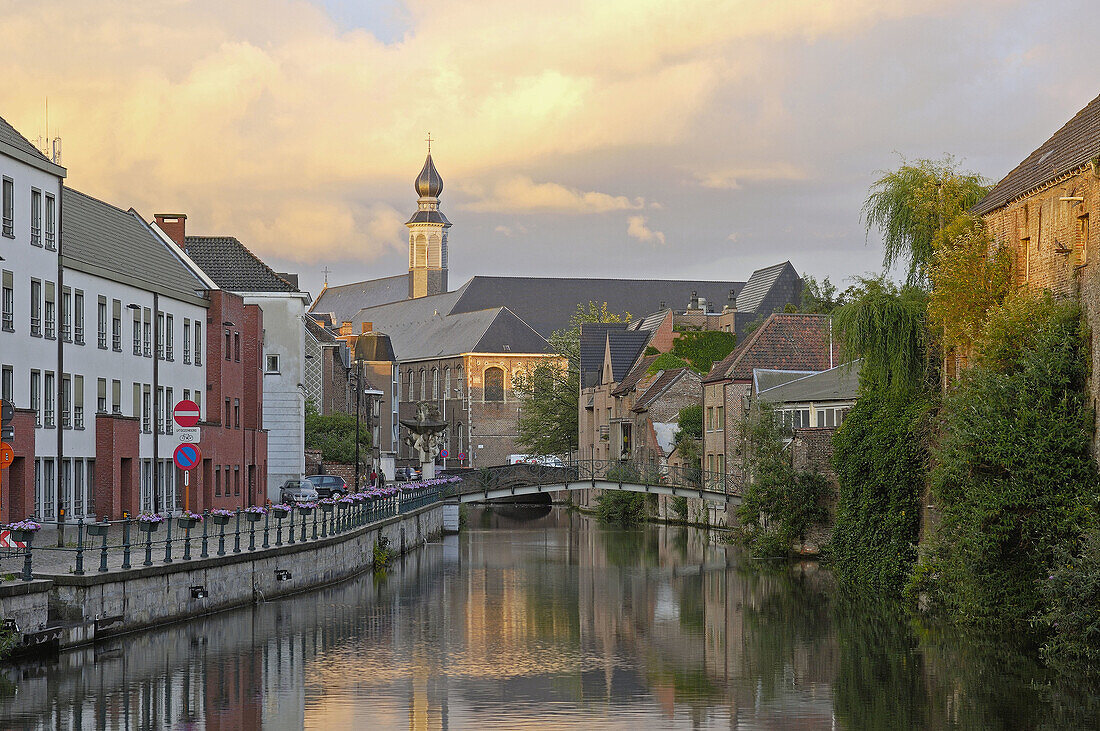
pixel 544 620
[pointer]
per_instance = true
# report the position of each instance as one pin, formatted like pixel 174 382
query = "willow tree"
pixel 549 396
pixel 911 207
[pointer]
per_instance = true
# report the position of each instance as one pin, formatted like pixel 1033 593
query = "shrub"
pixel 1071 599
pixel 617 507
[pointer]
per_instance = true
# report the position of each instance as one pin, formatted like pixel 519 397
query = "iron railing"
pixel 111 545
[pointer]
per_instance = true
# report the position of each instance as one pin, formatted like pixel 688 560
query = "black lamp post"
pixel 359 391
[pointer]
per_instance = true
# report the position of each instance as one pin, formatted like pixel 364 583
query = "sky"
pixel 635 138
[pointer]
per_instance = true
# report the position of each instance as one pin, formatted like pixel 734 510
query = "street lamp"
pixel 359 392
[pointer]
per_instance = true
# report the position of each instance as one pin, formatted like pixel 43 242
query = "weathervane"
pixel 429 141
pixel 326 273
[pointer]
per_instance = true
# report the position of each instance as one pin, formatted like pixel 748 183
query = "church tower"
pixel 428 234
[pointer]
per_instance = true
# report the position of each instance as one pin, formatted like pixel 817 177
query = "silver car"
pixel 297 491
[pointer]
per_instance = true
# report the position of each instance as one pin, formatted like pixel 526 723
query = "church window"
pixel 409 385
pixel 421 251
pixel 447 382
pixel 423 384
pixel 494 384
pixel 435 383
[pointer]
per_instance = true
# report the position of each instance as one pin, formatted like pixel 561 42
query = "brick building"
pixel 1041 210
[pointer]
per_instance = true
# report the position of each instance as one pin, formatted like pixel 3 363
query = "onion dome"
pixel 429 183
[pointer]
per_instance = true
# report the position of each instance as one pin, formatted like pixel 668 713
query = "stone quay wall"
pixel 95 605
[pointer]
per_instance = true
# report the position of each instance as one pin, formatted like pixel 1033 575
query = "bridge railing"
pixel 622 471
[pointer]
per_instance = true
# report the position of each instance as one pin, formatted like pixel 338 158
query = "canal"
pixel 545 620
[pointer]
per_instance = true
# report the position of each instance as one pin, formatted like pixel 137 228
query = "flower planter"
pixel 327 508
pixel 23 536
pixel 252 517
pixel 187 523
pixel 344 506
pixel 304 510
pixel 148 527
pixel 280 512
pixel 220 519
pixel 97 529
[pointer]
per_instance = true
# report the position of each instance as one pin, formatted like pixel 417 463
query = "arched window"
pixel 423 385
pixel 447 382
pixel 409 385
pixel 421 251
pixel 434 253
pixel 494 384
pixel 435 383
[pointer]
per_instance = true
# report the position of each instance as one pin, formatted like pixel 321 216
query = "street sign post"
pixel 444 453
pixel 187 456
pixel 186 413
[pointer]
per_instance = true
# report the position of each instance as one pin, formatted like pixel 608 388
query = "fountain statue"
pixel 425 436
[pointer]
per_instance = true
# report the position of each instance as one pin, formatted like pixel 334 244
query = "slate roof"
pixel 118 244
pixel 657 389
pixel 637 373
pixel 593 342
pixel 12 136
pixel 765 378
pixel 345 300
pixel 319 333
pixel 752 295
pixel 785 341
pixel 625 347
pixel 1071 147
pixel 435 216
pixel 232 266
pixel 419 330
pixel 836 384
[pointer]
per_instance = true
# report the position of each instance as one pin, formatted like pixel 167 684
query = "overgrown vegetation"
pixel 1070 597
pixel 701 349
pixel 781 505
pixel 1014 482
pixel 334 436
pixel 549 396
pixel 618 507
pixel 382 555
pixel 688 442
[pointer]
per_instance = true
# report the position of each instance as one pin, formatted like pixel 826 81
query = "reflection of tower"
pixel 428 234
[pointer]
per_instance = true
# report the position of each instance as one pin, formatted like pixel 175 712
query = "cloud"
pixel 636 228
pixel 731 178
pixel 520 194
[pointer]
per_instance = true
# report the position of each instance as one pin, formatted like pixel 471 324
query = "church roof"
pixel 420 329
pixel 232 266
pixel 765 291
pixel 1067 149
pixel 435 216
pixel 429 183
pixel 345 300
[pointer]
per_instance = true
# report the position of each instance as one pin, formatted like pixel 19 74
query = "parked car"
pixel 407 474
pixel 329 485
pixel 297 491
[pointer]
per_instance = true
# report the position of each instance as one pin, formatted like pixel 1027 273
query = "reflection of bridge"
pixel 493 483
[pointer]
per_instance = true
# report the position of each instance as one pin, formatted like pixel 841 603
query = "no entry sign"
pixel 187 456
pixel 186 413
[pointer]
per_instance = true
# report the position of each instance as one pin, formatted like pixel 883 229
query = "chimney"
pixel 367 327
pixel 731 302
pixel 173 224
pixel 694 303
pixel 703 304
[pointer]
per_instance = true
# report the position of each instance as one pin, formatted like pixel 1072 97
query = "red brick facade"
pixel 17 492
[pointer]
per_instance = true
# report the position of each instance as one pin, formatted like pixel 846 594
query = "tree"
pixel 334 435
pixel 912 205
pixel 820 297
pixel 549 396
pixel 688 441
pixel 886 326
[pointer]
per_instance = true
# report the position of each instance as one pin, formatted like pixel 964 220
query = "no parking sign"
pixel 187 456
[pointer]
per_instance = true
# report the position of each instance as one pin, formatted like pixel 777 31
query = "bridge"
pixel 493 483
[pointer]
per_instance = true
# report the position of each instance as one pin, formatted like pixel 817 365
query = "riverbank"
pixel 62 610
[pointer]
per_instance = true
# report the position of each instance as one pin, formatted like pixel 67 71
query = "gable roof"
pixel 625 347
pixel 1068 149
pixel 760 284
pixel 106 241
pixel 664 381
pixel 836 384
pixel 13 137
pixel 232 266
pixel 785 341
pixel 345 300
pixel 419 330
pixel 593 343
pixel 637 373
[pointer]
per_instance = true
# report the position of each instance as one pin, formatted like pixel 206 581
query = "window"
pixel 48 392
pixel 198 343
pixel 7 384
pixel 78 316
pixel 228 345
pixel 78 402
pixel 447 382
pixel 218 481
pixel 9 208
pixel 169 341
pixel 795 418
pixel 66 401
pixel 66 315
pixel 146 410
pixel 186 341
pixel 435 383
pixel 197 398
pixel 101 323
pixel 227 422
pixel 494 384
pixel 36 308
pixel 160 336
pixel 51 311
pixel 36 397
pixel 422 394
pixel 116 326
pixel 51 229
pixel 1082 240
pixel 237 347
pixel 137 332
pixel 116 397
pixel 9 301
pixel 237 413
pixel 78 488
pixel 236 479
pixel 719 418
pixel 710 418
pixel 135 404
pixel 90 482
pixel 409 385
pixel 831 416
pixel 160 409
pixel 101 396
pixel 147 333
pixel 272 363
pixel 36 217
pixel 169 400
